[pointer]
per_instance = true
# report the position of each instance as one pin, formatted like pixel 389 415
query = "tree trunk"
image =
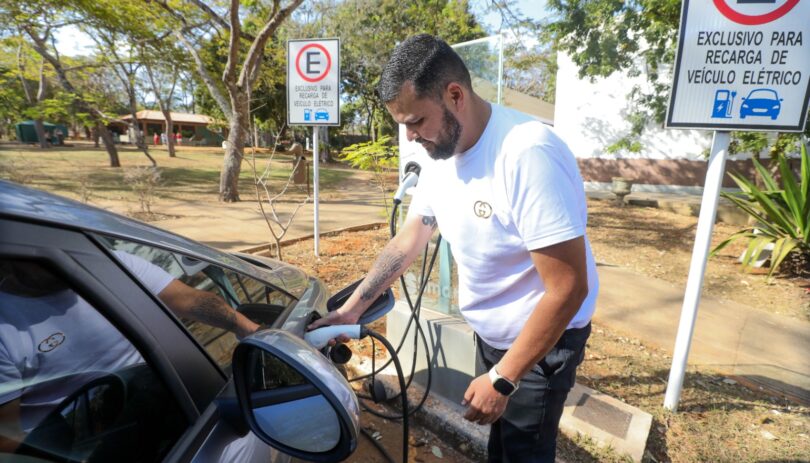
pixel 140 141
pixel 169 133
pixel 234 151
pixel 109 144
pixel 39 128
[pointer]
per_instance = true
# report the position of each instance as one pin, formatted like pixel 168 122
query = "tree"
pixel 168 75
pixel 122 61
pixel 241 68
pixel 30 98
pixel 370 28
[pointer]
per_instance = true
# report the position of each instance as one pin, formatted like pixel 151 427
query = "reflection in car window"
pixel 217 305
pixel 72 387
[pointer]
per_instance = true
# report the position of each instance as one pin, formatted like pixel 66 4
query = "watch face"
pixel 503 386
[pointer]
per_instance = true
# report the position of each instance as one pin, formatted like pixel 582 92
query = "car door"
pixel 162 388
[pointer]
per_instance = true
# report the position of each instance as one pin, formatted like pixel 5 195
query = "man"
pixel 507 195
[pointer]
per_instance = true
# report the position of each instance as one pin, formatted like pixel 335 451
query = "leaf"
pixel 781 249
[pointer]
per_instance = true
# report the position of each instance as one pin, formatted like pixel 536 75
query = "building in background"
pixel 591 115
pixel 195 128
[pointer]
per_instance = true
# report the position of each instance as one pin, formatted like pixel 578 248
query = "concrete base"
pixel 609 422
pixel 451 344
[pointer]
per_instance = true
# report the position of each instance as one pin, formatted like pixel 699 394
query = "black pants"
pixel 527 430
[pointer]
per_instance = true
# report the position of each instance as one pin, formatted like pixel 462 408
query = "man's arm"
pixel 392 262
pixel 564 271
pixel 11 435
pixel 205 307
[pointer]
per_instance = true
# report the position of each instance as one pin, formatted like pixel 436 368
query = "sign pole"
pixel 315 158
pixel 313 98
pixel 697 268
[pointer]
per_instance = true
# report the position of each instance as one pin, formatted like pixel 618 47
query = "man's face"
pixel 427 121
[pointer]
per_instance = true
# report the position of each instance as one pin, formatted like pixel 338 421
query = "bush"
pixel 781 213
pixel 143 181
pixel 380 157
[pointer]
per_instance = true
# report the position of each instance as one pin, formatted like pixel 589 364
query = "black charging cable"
pixel 414 318
pixel 364 331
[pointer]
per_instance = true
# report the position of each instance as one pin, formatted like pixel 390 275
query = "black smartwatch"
pixel 501 384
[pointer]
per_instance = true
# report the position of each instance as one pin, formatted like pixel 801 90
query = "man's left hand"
pixel 484 404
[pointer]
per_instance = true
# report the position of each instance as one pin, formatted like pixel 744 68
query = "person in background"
pixel 47 331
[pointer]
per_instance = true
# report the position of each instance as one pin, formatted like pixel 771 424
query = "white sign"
pixel 742 65
pixel 313 78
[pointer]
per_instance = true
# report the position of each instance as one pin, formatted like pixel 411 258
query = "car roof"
pixel 33 205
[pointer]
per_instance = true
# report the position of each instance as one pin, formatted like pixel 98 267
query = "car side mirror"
pixel 293 398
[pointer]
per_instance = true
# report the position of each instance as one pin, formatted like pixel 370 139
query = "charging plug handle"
pixel 320 337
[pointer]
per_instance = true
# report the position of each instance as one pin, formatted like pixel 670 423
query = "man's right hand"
pixel 336 317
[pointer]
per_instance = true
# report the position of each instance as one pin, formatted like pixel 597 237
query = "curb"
pixel 270 246
pixel 438 415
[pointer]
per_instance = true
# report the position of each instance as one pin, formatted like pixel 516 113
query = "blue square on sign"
pixel 307 114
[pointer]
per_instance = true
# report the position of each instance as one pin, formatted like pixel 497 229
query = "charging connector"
pixel 320 337
pixel 411 178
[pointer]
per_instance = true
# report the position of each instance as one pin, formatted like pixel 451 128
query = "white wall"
pixel 592 115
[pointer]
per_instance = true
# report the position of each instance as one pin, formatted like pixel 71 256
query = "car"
pixel 761 102
pixel 321 115
pixel 99 361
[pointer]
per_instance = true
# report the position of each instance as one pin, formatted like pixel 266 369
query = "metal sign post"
pixel 741 65
pixel 313 97
pixel 315 160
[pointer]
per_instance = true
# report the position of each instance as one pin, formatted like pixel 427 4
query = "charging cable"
pixel 320 337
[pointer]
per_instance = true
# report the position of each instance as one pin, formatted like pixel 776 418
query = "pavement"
pixel 755 347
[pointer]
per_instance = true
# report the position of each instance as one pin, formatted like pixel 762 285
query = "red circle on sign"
pixel 328 62
pixel 754 20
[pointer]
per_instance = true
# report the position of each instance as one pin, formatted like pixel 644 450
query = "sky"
pixel 72 42
pixel 534 9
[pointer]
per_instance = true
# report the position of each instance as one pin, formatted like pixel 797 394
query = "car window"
pixel 217 305
pixel 72 386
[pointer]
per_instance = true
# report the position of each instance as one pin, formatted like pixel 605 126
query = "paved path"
pixel 756 346
pixel 762 348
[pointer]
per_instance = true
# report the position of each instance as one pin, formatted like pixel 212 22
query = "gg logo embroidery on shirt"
pixel 51 342
pixel 482 209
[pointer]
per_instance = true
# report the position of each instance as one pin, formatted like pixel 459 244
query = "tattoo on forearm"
pixel 210 310
pixel 429 221
pixel 386 266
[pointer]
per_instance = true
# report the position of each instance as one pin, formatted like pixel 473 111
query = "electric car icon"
pixel 123 374
pixel 763 102
pixel 321 115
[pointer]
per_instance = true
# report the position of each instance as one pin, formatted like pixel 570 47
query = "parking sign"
pixel 742 65
pixel 313 81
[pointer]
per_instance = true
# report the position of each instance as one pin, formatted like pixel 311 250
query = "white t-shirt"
pixel 52 345
pixel 517 189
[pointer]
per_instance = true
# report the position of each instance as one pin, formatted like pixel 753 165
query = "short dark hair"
pixel 427 61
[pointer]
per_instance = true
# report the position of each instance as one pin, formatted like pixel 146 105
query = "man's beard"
pixel 445 146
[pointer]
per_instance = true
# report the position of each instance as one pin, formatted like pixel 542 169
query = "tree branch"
pixel 233 46
pixel 247 76
pixel 223 102
pixel 218 19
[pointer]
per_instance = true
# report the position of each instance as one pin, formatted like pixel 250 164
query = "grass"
pixel 81 170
